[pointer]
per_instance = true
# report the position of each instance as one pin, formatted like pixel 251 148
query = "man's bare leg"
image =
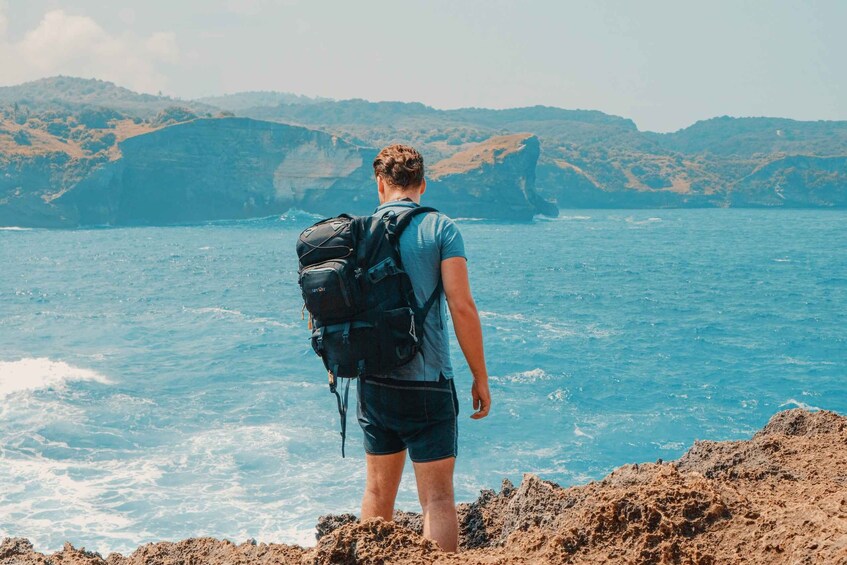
pixel 384 474
pixel 435 491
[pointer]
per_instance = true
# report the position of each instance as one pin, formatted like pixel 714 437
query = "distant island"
pixel 78 152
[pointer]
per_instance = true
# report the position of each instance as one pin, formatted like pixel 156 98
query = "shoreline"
pixel 779 497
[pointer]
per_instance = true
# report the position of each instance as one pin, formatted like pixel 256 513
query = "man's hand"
pixel 481 399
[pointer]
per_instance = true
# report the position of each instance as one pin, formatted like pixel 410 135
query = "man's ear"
pixel 380 188
pixel 423 186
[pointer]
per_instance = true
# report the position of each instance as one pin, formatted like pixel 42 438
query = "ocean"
pixel 156 383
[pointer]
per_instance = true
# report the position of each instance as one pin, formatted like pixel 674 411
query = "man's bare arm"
pixel 457 289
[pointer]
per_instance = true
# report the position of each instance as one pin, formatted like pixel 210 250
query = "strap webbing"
pixel 342 409
pixel 432 298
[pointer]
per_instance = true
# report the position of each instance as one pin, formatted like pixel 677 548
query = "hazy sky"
pixel 665 64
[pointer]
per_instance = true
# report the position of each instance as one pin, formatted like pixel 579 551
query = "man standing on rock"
pixel 415 407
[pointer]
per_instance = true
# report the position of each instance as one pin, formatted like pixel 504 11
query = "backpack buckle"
pixel 385 268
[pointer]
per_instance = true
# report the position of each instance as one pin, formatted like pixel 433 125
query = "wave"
pixel 800 404
pixel 39 373
pixel 14 228
pixel 525 377
pixel 579 432
pixel 561 218
pixel 633 221
pixel 787 360
pixel 547 329
pixel 297 215
pixel 223 312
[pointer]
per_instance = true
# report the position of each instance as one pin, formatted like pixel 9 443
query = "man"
pixel 414 409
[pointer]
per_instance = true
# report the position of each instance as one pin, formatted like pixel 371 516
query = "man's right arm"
pixel 457 289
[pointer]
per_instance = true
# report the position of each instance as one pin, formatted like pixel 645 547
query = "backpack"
pixel 363 314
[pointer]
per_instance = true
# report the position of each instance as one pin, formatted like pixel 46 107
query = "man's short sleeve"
pixel 450 239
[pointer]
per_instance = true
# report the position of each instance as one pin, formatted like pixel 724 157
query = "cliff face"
pixel 493 179
pixel 231 168
pixel 227 168
pixel 80 152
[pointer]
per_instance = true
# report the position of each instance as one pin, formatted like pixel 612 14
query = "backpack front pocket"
pixel 326 291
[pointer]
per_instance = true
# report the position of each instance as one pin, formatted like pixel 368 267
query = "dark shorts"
pixel 414 415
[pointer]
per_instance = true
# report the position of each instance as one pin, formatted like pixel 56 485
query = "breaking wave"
pixel 41 373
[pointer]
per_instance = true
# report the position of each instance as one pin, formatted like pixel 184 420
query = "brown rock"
pixel 780 497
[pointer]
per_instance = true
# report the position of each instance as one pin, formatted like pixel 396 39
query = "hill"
pixel 56 133
pixel 63 93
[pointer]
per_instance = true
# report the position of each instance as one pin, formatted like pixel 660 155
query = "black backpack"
pixel 363 314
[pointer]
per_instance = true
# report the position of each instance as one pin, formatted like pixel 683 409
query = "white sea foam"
pixel 559 395
pixel 561 218
pixel 799 404
pixel 525 377
pixel 805 362
pixel 223 312
pixel 670 445
pixel 633 221
pixel 14 228
pixel 496 315
pixel 295 214
pixel 41 373
pixel 577 431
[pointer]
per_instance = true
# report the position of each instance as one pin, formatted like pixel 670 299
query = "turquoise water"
pixel 157 383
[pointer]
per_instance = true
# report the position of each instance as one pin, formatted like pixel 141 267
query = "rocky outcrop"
pixel 30 183
pixel 588 160
pixel 233 168
pixel 225 168
pixel 492 179
pixel 777 498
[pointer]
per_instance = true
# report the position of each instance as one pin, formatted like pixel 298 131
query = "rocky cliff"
pixel 76 151
pixel 229 168
pixel 778 498
pixel 492 179
pixel 224 168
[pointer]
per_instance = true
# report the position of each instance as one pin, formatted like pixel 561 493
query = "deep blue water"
pixel 157 383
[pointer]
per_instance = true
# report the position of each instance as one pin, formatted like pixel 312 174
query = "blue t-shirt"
pixel 426 242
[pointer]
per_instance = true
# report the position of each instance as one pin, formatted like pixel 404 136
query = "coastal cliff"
pixel 222 168
pixel 492 179
pixel 776 498
pixel 79 152
pixel 207 169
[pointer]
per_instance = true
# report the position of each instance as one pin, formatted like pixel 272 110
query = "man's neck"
pixel 402 197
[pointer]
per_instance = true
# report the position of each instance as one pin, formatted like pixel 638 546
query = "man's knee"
pixel 435 491
pixel 378 491
pixel 436 497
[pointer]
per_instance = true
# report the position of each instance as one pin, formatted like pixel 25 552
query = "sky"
pixel 664 64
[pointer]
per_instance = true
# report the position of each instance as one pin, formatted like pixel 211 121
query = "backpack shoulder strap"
pixel 401 222
pixel 403 219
